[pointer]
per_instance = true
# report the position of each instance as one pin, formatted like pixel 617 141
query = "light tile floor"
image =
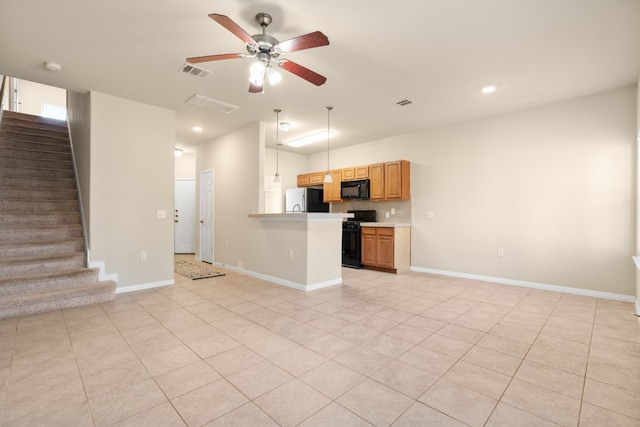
pixel 382 349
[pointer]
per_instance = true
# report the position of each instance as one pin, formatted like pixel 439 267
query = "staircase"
pixel 42 256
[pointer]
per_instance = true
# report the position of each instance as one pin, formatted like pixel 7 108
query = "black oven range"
pixel 351 237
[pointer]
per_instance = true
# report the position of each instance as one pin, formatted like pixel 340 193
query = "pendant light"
pixel 327 177
pixel 277 178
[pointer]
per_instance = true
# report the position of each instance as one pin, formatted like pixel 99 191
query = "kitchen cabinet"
pixel 389 181
pixel 310 179
pixel 376 181
pixel 361 172
pixel 332 189
pixel 348 174
pixel 386 248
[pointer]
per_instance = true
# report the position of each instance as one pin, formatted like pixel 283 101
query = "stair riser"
pixel 29 234
pixel 31 119
pixel 8 268
pixel 18 126
pixel 21 162
pixel 28 219
pixel 29 145
pixel 38 183
pixel 9 172
pixel 39 206
pixel 37 194
pixel 40 250
pixel 34 154
pixel 17 305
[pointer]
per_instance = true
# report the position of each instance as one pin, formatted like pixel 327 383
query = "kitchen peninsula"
pixel 299 250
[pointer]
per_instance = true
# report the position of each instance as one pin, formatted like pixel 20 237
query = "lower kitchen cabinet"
pixel 386 248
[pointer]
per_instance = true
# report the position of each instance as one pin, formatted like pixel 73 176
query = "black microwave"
pixel 355 189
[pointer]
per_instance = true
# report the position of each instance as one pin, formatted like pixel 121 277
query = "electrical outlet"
pixel 143 255
pixel 393 211
pixel 290 253
pixel 162 214
pixel 226 243
pixel 500 252
pixel 386 214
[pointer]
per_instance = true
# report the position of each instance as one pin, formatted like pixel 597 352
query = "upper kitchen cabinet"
pixel 310 179
pixel 396 180
pixel 332 189
pixel 355 173
pixel 390 181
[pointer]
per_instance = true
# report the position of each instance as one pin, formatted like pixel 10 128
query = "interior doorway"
pixel 206 215
pixel 184 216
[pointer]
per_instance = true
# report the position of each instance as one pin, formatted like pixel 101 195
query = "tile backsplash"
pixel 402 208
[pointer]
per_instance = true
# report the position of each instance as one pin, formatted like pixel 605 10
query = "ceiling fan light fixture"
pixel 256 72
pixel 273 76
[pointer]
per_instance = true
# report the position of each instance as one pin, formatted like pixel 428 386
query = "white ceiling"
pixel 438 53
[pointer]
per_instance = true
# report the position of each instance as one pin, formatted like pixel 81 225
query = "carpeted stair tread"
pixel 37 183
pixel 8 193
pixel 6 142
pixel 22 205
pixel 38 302
pixel 23 233
pixel 27 153
pixel 27 172
pixel 40 247
pixel 40 129
pixel 27 265
pixel 21 219
pixel 47 281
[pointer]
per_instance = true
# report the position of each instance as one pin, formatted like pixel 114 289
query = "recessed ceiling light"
pixel 197 128
pixel 53 66
pixel 285 126
pixel 489 89
pixel 178 152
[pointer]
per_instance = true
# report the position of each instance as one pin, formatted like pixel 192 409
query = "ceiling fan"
pixel 267 49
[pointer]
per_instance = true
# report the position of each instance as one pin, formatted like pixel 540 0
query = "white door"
pixel 206 216
pixel 184 217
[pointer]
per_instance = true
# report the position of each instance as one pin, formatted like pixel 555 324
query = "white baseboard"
pixel 144 286
pixel 637 304
pixel 279 281
pixel 533 285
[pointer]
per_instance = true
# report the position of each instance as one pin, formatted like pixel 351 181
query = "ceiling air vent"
pixel 405 102
pixel 192 70
pixel 211 104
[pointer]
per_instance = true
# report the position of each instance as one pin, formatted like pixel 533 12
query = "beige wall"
pixel 132 176
pixel 237 160
pixel 79 113
pixel 32 95
pixel 186 166
pixel 553 186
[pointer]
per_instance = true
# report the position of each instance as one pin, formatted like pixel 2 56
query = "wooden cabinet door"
pixel 332 189
pixel 303 180
pixel 385 248
pixel 396 176
pixel 348 174
pixel 362 172
pixel 368 256
pixel 316 178
pixel 376 181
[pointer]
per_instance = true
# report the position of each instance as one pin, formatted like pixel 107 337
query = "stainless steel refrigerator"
pixel 305 200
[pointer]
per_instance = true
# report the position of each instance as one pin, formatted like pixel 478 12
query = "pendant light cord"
pixel 328 133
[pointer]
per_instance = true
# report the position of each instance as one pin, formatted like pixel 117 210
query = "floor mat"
pixel 194 271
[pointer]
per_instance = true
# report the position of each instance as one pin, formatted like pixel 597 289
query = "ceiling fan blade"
pixel 305 73
pixel 253 88
pixel 307 41
pixel 226 22
pixel 198 59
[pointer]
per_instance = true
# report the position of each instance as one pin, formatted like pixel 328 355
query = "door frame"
pixel 202 214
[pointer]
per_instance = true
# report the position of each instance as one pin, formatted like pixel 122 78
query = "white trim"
pixel 102 275
pixel 288 283
pixel 534 285
pixel 144 286
pixel 637 304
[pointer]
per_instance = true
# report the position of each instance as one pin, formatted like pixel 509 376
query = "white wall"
pixel 554 186
pixel 79 113
pixel 132 176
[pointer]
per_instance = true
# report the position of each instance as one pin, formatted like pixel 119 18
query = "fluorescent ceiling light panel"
pixel 310 139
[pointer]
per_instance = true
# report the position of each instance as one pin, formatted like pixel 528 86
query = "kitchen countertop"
pixel 385 224
pixel 302 216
